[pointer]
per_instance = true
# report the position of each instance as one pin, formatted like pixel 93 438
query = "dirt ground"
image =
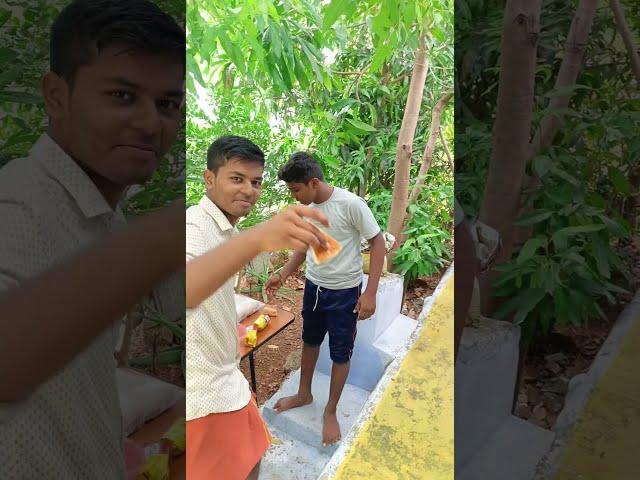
pixel 279 356
pixel 546 372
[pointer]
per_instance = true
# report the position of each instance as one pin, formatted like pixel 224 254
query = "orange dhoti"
pixel 226 446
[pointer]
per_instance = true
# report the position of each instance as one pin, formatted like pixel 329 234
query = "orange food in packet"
pixel 322 255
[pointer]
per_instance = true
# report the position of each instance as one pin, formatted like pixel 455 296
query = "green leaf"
pixel 392 10
pixel 568 231
pixel 312 62
pixel 5 15
pixel 563 310
pixel 7 56
pixel 565 176
pixel 522 303
pixel 438 33
pixel 532 218
pixel 542 164
pixel 566 90
pixel 19 97
pixel 169 356
pixel 382 53
pixel 620 181
pixel 22 138
pixel 600 254
pixel 331 161
pixel 276 43
pixel 301 74
pixel 334 10
pixel 562 111
pixel 529 301
pixel 159 319
pixel 232 50
pixel 530 247
pixel 361 125
pixel 409 13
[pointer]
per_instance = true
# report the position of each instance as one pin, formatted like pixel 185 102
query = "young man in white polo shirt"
pixel 113 98
pixel 225 432
pixel 333 302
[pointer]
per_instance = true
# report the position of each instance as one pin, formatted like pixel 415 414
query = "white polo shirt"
pixel 214 382
pixel 70 427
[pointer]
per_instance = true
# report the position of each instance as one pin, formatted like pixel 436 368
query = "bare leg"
pixel 466 266
pixel 253 475
pixel 303 397
pixel 331 428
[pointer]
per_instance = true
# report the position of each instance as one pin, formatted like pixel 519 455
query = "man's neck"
pixel 324 193
pixel 111 192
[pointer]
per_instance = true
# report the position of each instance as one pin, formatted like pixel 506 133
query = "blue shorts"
pixel 325 310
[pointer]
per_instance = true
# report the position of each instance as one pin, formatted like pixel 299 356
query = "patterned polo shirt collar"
pixel 214 212
pixel 70 175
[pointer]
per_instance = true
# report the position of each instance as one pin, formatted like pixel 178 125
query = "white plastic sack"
pixel 246 306
pixel 143 398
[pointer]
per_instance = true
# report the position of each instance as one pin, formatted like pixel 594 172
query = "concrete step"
pixel 304 424
pixel 512 453
pixel 288 459
pixel 485 376
pixel 395 336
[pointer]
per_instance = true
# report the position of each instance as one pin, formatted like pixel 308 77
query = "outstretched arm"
pixel 288 229
pixel 49 319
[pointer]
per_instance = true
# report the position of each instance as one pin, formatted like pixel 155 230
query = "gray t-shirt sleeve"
pixel 363 219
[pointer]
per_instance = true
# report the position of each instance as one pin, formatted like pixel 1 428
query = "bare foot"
pixel 293 401
pixel 330 429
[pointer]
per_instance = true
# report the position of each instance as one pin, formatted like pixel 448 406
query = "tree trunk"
pixel 404 149
pixel 512 127
pixel 427 157
pixel 446 151
pixel 567 75
pixel 618 13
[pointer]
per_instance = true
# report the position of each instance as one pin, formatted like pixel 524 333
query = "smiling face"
pixel 120 116
pixel 235 187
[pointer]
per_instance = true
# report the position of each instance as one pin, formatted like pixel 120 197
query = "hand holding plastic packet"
pixel 322 254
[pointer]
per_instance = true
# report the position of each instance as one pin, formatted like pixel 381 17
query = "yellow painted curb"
pixel 409 434
pixel 605 436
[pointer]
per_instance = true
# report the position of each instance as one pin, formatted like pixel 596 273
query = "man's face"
pixel 123 113
pixel 235 187
pixel 304 193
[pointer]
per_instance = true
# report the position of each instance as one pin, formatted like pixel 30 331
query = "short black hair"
pixel 301 168
pixel 232 146
pixel 85 27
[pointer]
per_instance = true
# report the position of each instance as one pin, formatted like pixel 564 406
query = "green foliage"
pixel 570 266
pixel 169 356
pixel 562 273
pixel 332 78
pixel 428 246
